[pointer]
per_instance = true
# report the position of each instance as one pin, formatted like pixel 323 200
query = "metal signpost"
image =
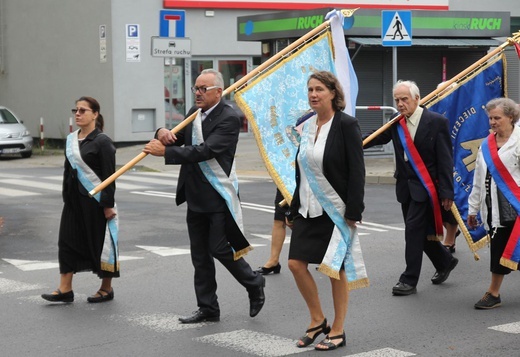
pixel 396 30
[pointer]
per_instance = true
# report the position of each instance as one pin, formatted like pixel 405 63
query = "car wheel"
pixel 25 155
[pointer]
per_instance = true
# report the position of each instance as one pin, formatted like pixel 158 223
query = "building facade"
pixel 53 52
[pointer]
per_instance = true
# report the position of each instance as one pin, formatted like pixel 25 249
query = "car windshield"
pixel 6 117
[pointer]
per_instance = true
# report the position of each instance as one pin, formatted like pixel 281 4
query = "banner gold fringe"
pixel 352 285
pixel 241 253
pixel 509 263
pixel 109 267
pixel 331 273
pixel 358 284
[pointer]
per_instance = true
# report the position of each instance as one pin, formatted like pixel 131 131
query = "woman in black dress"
pixel 88 228
pixel 330 156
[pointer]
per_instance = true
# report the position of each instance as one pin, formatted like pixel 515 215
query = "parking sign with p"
pixel 132 31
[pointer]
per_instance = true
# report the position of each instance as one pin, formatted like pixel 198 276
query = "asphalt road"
pixel 156 286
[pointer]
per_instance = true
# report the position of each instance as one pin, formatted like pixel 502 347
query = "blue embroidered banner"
pixel 275 100
pixel 464 105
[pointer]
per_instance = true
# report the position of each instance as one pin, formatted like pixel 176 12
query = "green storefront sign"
pixel 294 24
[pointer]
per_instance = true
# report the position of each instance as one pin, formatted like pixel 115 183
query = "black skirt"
pixel 310 238
pixel 82 234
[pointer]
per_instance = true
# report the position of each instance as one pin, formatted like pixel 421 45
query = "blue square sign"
pixel 396 28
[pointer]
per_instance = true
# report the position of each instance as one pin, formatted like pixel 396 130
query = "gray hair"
pixel 411 85
pixel 508 106
pixel 219 80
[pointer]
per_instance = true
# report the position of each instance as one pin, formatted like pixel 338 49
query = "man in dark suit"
pixel 429 134
pixel 214 230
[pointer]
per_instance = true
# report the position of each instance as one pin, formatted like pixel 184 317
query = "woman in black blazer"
pixel 332 149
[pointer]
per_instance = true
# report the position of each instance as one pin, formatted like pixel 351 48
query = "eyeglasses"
pixel 202 89
pixel 80 110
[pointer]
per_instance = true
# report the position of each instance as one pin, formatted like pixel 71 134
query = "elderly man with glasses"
pixel 205 149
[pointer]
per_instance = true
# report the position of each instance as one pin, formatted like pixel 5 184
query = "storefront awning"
pixel 431 42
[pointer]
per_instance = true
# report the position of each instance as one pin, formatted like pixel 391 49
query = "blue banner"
pixel 276 102
pixel 464 105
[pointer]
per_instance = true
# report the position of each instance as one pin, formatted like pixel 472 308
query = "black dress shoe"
pixel 440 276
pixel 199 316
pixel 59 297
pixel 266 271
pixel 99 297
pixel 403 289
pixel 257 299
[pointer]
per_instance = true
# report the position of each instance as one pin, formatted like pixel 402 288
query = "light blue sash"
pixel 89 180
pixel 226 186
pixel 344 248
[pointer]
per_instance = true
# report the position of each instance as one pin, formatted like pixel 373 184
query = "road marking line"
pixel 513 327
pixel 252 342
pixel 11 192
pixel 157 194
pixel 383 226
pixel 15 176
pixel 384 352
pixel 11 286
pixel 162 322
pixel 30 265
pixel 34 184
pixel 142 179
pixel 164 251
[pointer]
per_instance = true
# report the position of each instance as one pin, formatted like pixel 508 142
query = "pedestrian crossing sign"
pixel 396 28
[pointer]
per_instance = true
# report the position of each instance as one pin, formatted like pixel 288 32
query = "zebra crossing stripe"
pixel 33 184
pixel 513 327
pixel 252 342
pixel 165 322
pixel 11 192
pixel 11 286
pixel 384 352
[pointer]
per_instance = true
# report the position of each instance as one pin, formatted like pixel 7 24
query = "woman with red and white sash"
pixel 497 174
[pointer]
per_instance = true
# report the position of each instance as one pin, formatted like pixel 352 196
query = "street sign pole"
pixel 394 65
pixel 396 30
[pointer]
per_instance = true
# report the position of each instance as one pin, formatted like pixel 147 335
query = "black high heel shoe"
pixel 306 340
pixel 274 269
pixel 327 342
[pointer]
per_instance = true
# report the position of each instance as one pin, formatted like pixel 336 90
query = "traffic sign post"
pixel 396 28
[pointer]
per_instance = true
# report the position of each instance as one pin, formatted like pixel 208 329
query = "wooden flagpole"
pixel 138 158
pixel 258 70
pixel 509 42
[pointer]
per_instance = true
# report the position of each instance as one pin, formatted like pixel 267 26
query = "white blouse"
pixel 309 205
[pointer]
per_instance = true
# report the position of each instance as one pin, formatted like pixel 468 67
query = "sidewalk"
pixel 379 169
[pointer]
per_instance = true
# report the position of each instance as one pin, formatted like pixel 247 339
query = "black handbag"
pixel 506 212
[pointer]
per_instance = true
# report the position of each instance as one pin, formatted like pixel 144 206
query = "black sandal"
pixel 327 342
pixel 306 340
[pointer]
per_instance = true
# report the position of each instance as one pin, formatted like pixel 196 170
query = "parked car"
pixel 14 136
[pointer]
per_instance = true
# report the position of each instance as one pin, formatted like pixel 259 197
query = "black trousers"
pixel 418 219
pixel 208 241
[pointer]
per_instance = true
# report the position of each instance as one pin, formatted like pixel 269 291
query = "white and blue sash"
pixel 226 186
pixel 89 180
pixel 344 248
